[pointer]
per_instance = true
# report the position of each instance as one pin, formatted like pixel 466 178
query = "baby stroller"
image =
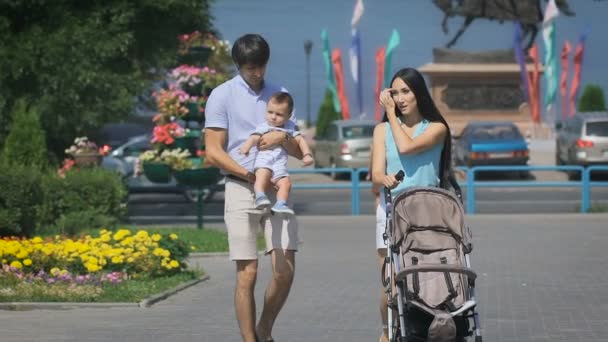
pixel 427 263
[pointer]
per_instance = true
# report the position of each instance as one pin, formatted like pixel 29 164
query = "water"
pixel 287 24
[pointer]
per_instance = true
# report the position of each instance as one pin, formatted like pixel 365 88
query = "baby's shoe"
pixel 262 202
pixel 281 208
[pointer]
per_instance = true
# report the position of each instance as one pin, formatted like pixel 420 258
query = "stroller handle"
pixel 436 268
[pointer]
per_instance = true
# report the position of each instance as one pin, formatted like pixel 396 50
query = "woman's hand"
pixel 386 100
pixel 390 181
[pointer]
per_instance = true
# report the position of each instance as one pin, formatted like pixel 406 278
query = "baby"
pixel 270 165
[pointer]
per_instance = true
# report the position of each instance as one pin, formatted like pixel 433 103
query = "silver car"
pixel 347 143
pixel 582 140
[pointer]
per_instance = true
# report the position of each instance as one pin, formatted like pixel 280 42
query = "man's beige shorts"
pixel 280 231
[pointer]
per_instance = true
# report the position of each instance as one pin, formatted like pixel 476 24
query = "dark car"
pixel 490 143
pixel 123 158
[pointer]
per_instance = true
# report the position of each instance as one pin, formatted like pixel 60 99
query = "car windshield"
pixel 496 133
pixel 354 132
pixel 597 129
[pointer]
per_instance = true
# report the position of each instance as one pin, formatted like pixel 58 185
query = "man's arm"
pixel 276 138
pixel 215 140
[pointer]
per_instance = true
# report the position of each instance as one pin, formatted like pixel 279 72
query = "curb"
pixel 144 303
pixel 208 254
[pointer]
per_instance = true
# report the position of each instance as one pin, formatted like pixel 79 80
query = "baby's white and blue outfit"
pixel 275 160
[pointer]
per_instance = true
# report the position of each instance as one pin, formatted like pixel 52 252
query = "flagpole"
pixel 307 50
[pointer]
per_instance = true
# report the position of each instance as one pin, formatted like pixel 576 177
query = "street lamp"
pixel 307 49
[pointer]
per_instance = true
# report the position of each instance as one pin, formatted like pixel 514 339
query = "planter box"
pixel 87 159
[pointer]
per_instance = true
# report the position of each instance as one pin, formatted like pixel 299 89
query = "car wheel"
pixel 334 175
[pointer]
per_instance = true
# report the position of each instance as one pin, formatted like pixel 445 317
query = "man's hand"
pixel 271 140
pixel 308 160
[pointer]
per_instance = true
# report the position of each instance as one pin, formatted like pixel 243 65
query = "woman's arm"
pixel 433 135
pixel 379 176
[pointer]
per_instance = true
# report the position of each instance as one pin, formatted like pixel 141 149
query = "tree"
pixel 25 144
pixel 327 114
pixel 592 99
pixel 83 63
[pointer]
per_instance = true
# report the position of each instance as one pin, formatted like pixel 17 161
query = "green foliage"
pixel 592 99
pixel 20 198
pixel 327 114
pixel 93 195
pixel 85 62
pixel 74 222
pixel 25 144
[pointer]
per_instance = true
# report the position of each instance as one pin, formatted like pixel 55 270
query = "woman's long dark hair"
pixel 428 110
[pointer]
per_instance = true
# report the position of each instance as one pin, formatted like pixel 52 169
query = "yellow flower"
pixel 130 259
pixel 156 237
pixel 27 262
pixel 16 264
pixel 173 236
pixel 92 267
pixel 37 240
pixel 22 254
pixel 55 271
pixel 117 260
pixel 174 263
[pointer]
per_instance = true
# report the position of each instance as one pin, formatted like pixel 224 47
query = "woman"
pixel 413 137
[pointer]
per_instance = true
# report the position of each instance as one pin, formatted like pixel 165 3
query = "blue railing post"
pixel 471 190
pixel 354 178
pixel 585 190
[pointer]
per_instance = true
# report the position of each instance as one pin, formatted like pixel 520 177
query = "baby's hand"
pixel 243 151
pixel 307 160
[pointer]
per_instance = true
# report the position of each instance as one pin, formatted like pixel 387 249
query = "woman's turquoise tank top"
pixel 421 169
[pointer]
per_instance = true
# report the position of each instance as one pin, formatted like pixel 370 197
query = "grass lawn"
pixel 133 290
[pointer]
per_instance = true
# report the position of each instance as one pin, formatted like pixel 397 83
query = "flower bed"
pixel 81 268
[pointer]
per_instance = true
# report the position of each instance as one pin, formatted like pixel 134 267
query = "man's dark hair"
pixel 250 49
pixel 283 97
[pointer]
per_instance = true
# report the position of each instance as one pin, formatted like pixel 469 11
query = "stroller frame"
pixel 397 328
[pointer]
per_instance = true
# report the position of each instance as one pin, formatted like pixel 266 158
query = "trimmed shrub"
pixel 592 99
pixel 327 114
pixel 25 143
pixel 94 195
pixel 21 195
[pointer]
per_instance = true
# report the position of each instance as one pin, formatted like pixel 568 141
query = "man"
pixel 233 111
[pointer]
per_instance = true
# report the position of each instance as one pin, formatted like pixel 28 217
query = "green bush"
pixel 25 143
pixel 74 222
pixel 21 195
pixel 94 195
pixel 592 99
pixel 327 114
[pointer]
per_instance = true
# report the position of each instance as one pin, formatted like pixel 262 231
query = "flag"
pixel 393 42
pixel 578 63
pixel 551 12
pixel 534 86
pixel 379 79
pixel 336 58
pixel 563 83
pixel 357 14
pixel 355 67
pixel 330 71
pixel 521 60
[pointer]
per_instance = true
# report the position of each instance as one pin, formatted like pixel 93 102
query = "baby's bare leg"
pixel 262 180
pixel 284 187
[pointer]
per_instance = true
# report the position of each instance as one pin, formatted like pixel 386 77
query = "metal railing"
pixel 470 185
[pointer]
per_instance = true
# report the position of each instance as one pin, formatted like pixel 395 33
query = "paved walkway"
pixel 541 278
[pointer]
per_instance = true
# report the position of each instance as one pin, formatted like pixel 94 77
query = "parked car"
pixel 123 158
pixel 582 140
pixel 347 143
pixel 490 143
pixel 117 134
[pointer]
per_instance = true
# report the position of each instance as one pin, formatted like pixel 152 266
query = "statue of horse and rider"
pixel 528 13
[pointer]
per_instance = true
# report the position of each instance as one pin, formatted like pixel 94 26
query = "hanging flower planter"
pixel 157 172
pixel 194 113
pixel 196 55
pixel 198 178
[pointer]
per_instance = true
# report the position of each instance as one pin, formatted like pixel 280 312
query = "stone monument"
pixel 468 86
